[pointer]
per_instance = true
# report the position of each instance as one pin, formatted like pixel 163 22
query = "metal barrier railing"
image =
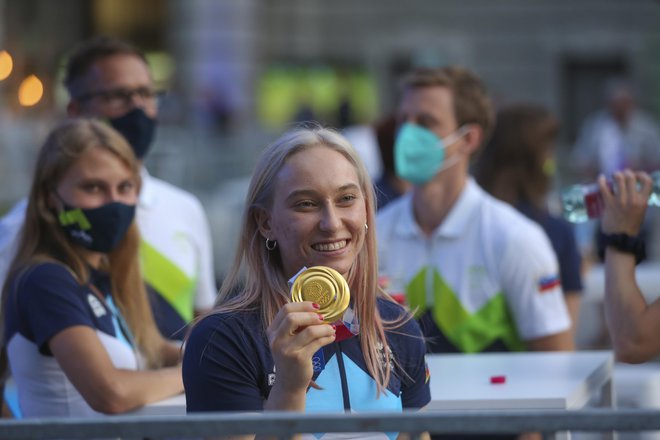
pixel 284 425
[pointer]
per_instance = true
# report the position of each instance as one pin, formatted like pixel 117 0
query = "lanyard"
pixel 122 330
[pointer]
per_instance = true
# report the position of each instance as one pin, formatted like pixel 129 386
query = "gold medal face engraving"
pixel 318 291
pixel 324 286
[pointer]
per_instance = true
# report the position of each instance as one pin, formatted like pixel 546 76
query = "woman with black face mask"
pixel 78 330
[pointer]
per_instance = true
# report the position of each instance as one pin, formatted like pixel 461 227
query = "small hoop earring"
pixel 366 227
pixel 271 244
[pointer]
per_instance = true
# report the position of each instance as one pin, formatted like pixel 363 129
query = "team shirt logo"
pixel 96 305
pixel 381 355
pixel 82 235
pixel 271 378
pixel 318 361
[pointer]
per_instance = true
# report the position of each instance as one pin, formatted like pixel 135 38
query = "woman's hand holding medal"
pixel 320 296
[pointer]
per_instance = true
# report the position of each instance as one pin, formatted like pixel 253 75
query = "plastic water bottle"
pixel 583 202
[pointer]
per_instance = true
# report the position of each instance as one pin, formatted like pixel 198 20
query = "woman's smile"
pixel 330 246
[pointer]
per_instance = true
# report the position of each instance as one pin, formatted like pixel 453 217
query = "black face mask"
pixel 99 229
pixel 137 128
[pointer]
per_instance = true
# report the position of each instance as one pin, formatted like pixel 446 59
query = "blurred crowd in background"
pixel 235 73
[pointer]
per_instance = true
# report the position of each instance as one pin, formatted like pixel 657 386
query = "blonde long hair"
pixel 256 280
pixel 43 239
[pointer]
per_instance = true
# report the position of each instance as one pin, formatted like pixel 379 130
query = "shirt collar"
pixel 100 279
pixel 462 212
pixel 457 219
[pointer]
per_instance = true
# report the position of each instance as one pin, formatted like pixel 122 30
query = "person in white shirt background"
pixel 619 136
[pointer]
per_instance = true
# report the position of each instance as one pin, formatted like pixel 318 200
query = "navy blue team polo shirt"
pixel 42 302
pixel 228 366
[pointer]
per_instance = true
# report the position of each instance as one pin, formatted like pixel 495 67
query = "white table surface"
pixel 552 380
pixel 541 380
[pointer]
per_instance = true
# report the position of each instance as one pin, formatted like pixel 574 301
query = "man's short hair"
pixel 472 105
pixel 83 57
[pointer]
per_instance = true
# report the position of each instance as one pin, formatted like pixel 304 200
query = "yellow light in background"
pixel 6 64
pixel 162 68
pixel 30 91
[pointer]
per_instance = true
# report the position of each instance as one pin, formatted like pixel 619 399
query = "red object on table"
pixel 497 379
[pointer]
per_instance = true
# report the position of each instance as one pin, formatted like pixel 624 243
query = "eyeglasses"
pixel 123 98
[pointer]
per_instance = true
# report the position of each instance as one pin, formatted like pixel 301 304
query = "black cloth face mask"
pixel 137 128
pixel 98 229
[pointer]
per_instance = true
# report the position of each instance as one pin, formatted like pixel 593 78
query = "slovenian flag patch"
pixel 548 283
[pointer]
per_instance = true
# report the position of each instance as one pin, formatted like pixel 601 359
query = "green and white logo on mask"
pixel 74 216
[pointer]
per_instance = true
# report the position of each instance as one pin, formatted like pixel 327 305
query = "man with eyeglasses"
pixel 110 79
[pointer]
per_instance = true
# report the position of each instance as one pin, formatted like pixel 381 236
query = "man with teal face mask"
pixel 419 154
pixel 481 275
pixel 110 79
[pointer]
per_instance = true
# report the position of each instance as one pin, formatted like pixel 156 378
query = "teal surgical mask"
pixel 419 154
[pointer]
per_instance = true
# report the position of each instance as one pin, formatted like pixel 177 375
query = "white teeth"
pixel 330 246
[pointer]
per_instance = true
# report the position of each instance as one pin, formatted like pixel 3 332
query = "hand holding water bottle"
pixel 623 209
pixel 585 202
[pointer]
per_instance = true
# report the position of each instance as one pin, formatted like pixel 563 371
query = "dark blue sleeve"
pixel 221 365
pixel 48 300
pixel 409 347
pixel 570 261
pixel 562 237
pixel 415 389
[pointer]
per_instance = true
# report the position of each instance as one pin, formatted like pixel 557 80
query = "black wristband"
pixel 625 243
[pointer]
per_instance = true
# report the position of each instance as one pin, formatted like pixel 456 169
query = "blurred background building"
pixel 238 72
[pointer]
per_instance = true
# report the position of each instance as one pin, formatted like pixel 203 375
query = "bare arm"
pixel 105 388
pixel 634 325
pixel 573 301
pixel 171 353
pixel 558 342
pixel 405 436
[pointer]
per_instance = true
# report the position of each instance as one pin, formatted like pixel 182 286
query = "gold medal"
pixel 325 287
